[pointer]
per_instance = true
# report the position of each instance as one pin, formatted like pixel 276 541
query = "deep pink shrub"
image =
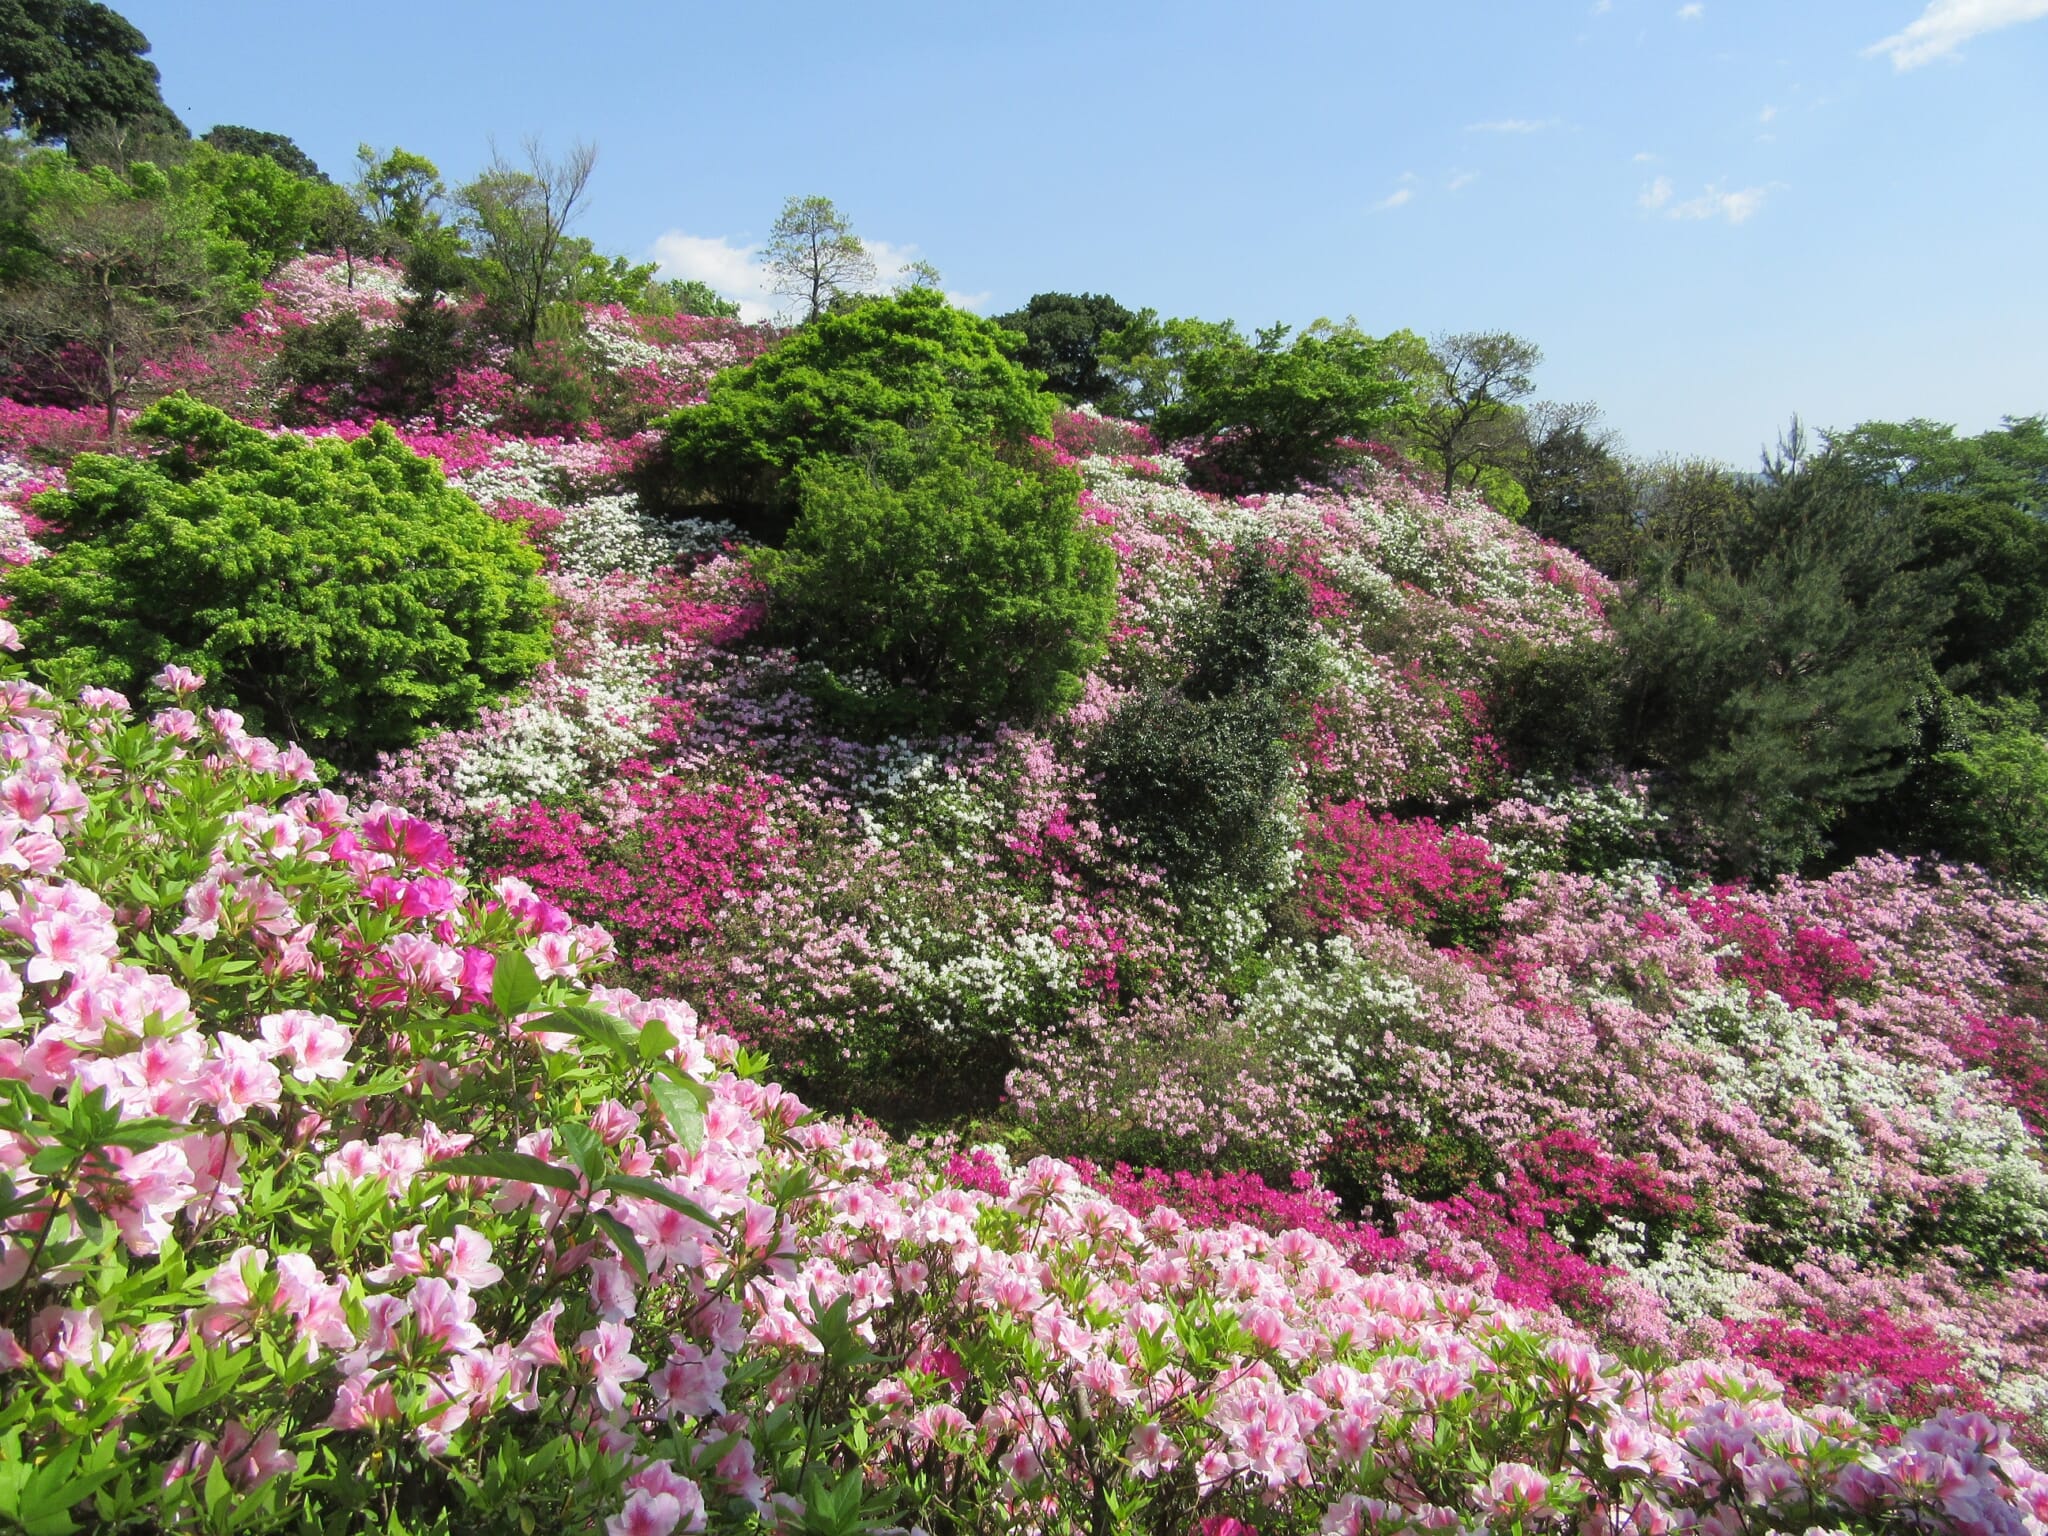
pixel 1534 1269
pixel 2012 1050
pixel 1209 1199
pixel 1906 1368
pixel 1809 966
pixel 1412 874
pixel 658 876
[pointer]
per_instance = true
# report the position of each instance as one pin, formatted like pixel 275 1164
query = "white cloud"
pixel 1460 180
pixel 1656 194
pixel 1602 7
pixel 1643 157
pixel 734 270
pixel 1692 12
pixel 1735 207
pixel 1767 114
pixel 1512 125
pixel 738 272
pixel 1947 24
pixel 1393 200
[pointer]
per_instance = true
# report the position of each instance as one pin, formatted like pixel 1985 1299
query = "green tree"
pixel 71 66
pixel 517 218
pixel 252 200
pixel 1462 411
pixel 1989 791
pixel 399 193
pixel 1983 503
pixel 852 383
pixel 938 586
pixel 1063 339
pixel 1580 490
pixel 340 594
pixel 234 140
pixel 1270 411
pixel 815 257
pixel 121 276
pixel 1774 668
pixel 691 296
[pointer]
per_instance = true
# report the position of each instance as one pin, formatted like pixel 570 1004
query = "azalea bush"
pixel 339 1189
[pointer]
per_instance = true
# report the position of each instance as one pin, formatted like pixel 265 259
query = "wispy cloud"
pixel 1512 125
pixel 1460 180
pixel 1736 207
pixel 1947 24
pixel 1643 157
pixel 1602 7
pixel 740 274
pixel 1767 114
pixel 1397 198
pixel 1692 12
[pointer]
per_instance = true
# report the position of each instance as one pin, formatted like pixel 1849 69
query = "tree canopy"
pixel 1063 339
pixel 853 383
pixel 70 66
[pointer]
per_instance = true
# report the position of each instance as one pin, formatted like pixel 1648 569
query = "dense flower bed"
pixel 336 1192
pixel 1469 1073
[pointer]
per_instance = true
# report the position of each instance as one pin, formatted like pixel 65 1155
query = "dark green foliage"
pixel 1556 709
pixel 1063 335
pixel 1198 774
pixel 1197 782
pixel 230 139
pixel 1772 667
pixel 1579 488
pixel 1983 502
pixel 1260 638
pixel 853 383
pixel 73 66
pixel 1988 791
pixel 941 587
pixel 339 594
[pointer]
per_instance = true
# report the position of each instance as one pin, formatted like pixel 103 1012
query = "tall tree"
pixel 1063 338
pixel 517 219
pixel 399 193
pixel 231 139
pixel 1463 397
pixel 1777 659
pixel 815 257
pixel 68 66
pixel 122 281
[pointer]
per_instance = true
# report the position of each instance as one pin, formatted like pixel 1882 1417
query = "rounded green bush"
pixel 942 587
pixel 337 593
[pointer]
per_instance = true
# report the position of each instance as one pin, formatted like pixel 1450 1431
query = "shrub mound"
pixel 338 593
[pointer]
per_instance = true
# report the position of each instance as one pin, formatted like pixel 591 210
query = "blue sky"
pixel 1710 215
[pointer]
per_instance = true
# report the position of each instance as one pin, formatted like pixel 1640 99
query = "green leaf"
pixel 514 983
pixel 522 1166
pixel 660 1194
pixel 623 1239
pixel 594 1025
pixel 656 1040
pixel 683 1101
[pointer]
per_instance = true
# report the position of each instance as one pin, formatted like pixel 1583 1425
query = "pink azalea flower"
pixel 608 1350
